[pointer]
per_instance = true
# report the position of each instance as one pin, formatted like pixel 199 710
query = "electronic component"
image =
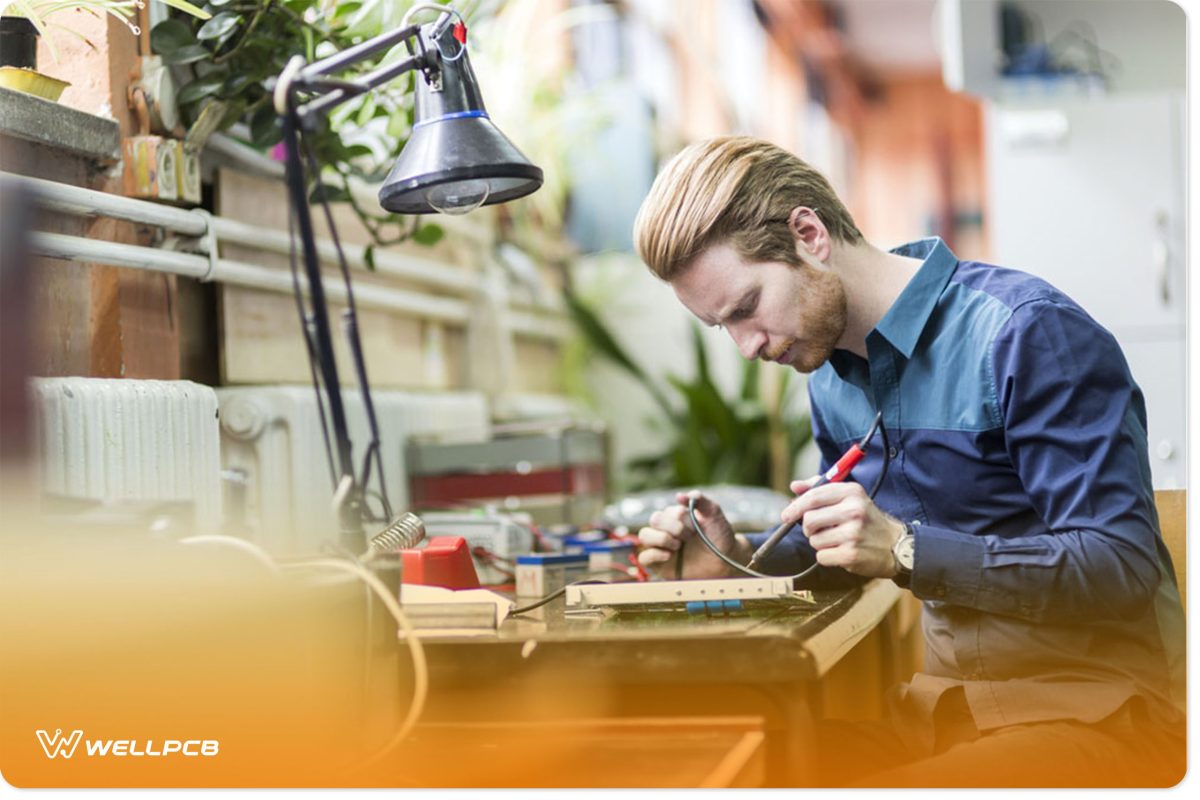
pixel 501 535
pixel 608 554
pixel 677 592
pixel 443 561
pixel 540 574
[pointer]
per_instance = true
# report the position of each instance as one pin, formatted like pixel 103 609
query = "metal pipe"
pixel 79 201
pixel 413 269
pixel 368 295
pixel 101 251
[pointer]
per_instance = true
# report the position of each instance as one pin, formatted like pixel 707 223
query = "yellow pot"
pixel 31 82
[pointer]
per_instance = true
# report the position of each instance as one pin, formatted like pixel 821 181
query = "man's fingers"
pixel 820 519
pixel 826 495
pixel 653 556
pixel 669 520
pixel 657 537
pixel 802 485
pixel 705 505
pixel 829 537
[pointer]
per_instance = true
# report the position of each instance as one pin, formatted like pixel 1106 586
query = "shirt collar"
pixel 904 321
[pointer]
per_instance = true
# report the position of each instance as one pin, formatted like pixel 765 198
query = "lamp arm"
pixel 315 77
pixel 339 91
pixel 359 52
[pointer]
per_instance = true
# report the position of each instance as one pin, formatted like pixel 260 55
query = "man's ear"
pixel 809 232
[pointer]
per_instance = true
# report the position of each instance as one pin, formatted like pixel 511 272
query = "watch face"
pixel 905 550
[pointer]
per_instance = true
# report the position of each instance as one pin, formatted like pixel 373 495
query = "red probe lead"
pixel 835 474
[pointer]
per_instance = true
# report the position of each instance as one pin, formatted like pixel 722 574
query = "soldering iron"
pixel 835 474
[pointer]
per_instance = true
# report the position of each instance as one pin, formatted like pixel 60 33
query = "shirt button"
pixel 892 452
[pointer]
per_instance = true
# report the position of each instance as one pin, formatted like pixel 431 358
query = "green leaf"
pixel 594 332
pixel 237 107
pixel 219 26
pixel 235 85
pixel 598 336
pixel 345 9
pixel 188 8
pixel 188 54
pixel 329 194
pixel 428 234
pixel 750 370
pixel 399 125
pixel 170 35
pixel 369 257
pixel 699 351
pixel 265 129
pixel 356 151
pixel 366 111
pixel 200 89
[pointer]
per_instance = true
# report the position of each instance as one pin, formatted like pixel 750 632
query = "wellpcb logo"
pixel 59 745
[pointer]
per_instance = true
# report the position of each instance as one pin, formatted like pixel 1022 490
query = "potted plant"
pixel 23 21
pixel 227 64
pixel 710 437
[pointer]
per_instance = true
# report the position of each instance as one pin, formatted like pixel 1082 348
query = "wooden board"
pixel 260 335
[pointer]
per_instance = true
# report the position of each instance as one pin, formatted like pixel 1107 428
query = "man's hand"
pixel 671 528
pixel 845 527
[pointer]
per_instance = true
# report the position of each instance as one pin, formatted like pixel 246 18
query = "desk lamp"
pixel 455 161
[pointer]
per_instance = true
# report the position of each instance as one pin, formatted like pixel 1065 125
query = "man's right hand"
pixel 671 528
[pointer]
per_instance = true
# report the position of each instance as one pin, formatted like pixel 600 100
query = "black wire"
pixel 305 331
pixel 887 458
pixel 552 596
pixel 350 320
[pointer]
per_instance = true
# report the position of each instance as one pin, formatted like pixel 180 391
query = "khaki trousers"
pixel 1126 749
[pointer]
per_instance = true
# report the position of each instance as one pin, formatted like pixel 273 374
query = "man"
pixel 1017 504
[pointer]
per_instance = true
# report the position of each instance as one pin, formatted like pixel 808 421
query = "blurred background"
pixel 1044 135
pixel 537 393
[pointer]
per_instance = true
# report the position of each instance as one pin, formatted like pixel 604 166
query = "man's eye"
pixel 745 310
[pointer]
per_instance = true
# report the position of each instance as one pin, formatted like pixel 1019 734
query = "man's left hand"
pixel 845 527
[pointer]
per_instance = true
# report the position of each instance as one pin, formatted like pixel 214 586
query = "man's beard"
pixel 823 320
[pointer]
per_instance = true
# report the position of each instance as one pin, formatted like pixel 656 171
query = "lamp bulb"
pixel 458 197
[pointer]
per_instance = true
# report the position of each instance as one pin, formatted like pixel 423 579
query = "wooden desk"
pixel 547 668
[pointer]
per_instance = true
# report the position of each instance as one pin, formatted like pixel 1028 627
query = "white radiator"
pixel 113 440
pixel 271 435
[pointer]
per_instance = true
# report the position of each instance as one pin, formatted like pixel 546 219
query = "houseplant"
pixel 711 438
pixel 23 21
pixel 232 58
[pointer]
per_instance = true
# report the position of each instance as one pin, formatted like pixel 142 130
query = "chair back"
pixel 1172 518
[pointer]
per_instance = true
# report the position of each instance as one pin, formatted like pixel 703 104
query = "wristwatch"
pixel 904 552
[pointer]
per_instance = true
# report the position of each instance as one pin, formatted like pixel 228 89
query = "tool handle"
pixel 835 474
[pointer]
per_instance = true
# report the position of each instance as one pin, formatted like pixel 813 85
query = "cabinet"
pixel 1089 194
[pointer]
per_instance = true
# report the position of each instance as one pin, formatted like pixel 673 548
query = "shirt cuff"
pixel 947 566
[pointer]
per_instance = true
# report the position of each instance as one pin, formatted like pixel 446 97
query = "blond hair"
pixel 736 190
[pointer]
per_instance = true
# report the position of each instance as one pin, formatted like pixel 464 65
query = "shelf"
pixel 23 116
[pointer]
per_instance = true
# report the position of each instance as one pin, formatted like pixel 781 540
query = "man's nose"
pixel 749 342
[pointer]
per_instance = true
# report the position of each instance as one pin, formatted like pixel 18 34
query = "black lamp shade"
pixel 456 159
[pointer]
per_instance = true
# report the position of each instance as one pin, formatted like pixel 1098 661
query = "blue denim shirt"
pixel 1018 442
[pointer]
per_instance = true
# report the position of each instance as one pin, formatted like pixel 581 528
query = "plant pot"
pixel 31 82
pixel 18 43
